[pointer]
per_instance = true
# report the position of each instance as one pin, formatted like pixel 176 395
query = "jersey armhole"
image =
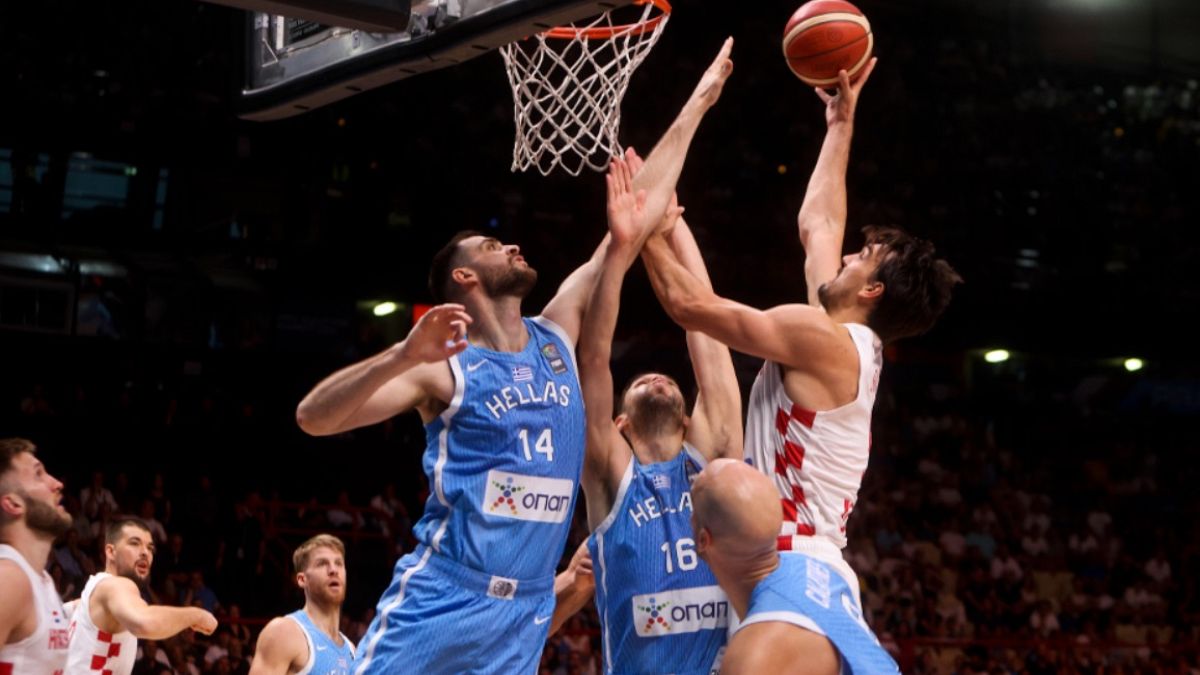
pixel 312 652
pixel 618 500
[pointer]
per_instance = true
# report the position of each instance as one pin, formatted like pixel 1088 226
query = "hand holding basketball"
pixel 713 80
pixel 440 334
pixel 840 108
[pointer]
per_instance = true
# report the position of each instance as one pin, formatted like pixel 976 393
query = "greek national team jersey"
pixel 325 657
pixel 504 459
pixel 816 459
pixel 660 606
pixel 806 592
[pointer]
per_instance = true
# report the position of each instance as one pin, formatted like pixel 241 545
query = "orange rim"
pixel 567 33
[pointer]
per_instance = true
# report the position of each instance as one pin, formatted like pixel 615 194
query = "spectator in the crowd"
pixel 157 531
pixel 97 500
pixel 199 594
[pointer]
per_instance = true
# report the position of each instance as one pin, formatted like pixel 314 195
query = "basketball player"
pixel 33 626
pixel 308 640
pixel 783 631
pixel 505 438
pixel 809 422
pixel 660 606
pixel 110 615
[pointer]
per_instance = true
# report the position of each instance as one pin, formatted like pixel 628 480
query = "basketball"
pixel 825 36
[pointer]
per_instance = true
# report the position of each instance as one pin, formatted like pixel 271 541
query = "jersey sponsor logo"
pixel 514 495
pixel 472 367
pixel 502 588
pixel 511 397
pixel 687 610
pixel 650 508
pixel 557 363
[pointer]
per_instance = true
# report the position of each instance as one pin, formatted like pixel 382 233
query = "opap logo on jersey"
pixel 514 495
pixel 686 610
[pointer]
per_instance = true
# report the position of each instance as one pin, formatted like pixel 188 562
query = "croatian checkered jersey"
pixel 504 459
pixel 93 650
pixel 44 651
pixel 816 459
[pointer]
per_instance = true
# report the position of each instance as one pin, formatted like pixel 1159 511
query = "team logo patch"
pixel 522 374
pixel 687 610
pixel 514 495
pixel 556 361
pixel 502 588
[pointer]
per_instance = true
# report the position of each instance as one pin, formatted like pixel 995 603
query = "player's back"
pixel 660 607
pixel 816 459
pixel 504 459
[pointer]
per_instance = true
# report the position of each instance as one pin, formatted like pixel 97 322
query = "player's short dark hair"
pixel 10 448
pixel 916 284
pixel 444 262
pixel 113 534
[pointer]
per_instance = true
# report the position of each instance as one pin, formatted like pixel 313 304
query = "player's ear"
pixel 871 291
pixel 12 505
pixel 622 422
pixel 703 541
pixel 301 580
pixel 463 275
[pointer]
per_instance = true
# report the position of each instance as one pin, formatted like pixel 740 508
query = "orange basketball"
pixel 825 36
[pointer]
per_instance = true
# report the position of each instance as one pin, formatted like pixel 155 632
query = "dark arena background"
pixel 173 279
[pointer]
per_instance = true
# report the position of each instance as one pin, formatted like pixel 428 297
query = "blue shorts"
pixel 808 593
pixel 438 616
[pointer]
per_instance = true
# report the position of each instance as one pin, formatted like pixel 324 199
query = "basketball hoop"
pixel 568 83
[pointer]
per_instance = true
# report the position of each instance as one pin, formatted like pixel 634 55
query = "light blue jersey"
pixel 660 606
pixel 325 657
pixel 503 463
pixel 809 593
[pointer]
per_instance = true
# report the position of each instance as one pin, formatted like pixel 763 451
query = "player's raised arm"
pixel 389 383
pixel 822 217
pixel 716 421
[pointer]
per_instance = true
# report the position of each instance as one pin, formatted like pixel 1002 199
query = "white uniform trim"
pixel 613 511
pixel 447 416
pixel 369 652
pixel 793 618
pixel 312 651
pixel 562 335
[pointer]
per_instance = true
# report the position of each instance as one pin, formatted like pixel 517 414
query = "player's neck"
pixel 853 314
pixel 657 448
pixel 33 546
pixel 328 619
pixel 739 578
pixel 497 324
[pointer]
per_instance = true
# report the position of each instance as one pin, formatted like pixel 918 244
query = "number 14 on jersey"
pixel 544 445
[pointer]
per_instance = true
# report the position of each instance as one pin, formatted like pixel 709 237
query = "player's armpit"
pixel 280 649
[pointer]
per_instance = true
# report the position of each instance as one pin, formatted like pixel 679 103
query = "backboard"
pixel 294 65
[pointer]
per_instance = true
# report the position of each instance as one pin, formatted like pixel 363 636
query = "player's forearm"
pixel 596 335
pixel 660 174
pixel 825 200
pixel 569 598
pixel 683 244
pixel 338 396
pixel 156 622
pixel 678 291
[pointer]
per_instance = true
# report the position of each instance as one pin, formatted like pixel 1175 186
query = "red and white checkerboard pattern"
pixel 109 652
pixel 789 461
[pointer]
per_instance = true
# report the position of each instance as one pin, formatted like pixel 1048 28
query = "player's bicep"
pixel 120 598
pixel 788 334
pixel 822 258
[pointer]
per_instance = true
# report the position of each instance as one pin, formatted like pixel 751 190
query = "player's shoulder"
pixel 282 633
pixel 15 589
pixel 774 647
pixel 113 584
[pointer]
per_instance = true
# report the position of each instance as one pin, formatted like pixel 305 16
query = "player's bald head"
pixel 737 505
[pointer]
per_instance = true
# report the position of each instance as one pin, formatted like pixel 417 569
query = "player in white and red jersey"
pixel 111 615
pixel 809 419
pixel 33 626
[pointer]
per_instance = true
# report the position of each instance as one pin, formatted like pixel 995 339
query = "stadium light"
pixel 1133 365
pixel 996 356
pixel 384 308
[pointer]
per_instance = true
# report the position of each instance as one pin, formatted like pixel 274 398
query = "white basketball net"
pixel 567 92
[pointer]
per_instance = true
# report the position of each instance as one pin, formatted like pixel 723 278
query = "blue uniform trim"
pixel 325 657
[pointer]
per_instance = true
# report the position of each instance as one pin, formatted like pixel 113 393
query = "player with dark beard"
pixel 111 615
pixel 33 625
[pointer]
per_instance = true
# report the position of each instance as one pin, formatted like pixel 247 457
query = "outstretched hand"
pixel 625 207
pixel 440 334
pixel 840 107
pixel 713 80
pixel 207 624
pixel 670 219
